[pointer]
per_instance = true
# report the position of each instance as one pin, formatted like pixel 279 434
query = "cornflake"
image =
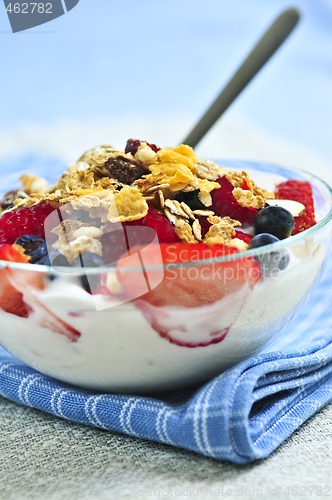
pixel 129 205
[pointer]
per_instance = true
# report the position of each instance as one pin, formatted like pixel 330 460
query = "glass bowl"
pixel 123 343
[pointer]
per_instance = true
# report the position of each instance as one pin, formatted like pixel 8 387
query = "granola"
pixel 112 186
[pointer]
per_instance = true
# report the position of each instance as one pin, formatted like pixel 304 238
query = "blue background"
pixel 167 60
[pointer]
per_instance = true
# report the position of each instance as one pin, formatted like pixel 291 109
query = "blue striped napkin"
pixel 242 415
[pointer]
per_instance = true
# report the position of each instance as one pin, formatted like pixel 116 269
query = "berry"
pixel 121 168
pixel 12 254
pixel 25 220
pixel 34 246
pixel 11 300
pixel 274 220
pixel 133 145
pixel 191 199
pixel 188 286
pixel 162 226
pixel 243 236
pixel 271 262
pixel 299 191
pixel 119 239
pixel 225 204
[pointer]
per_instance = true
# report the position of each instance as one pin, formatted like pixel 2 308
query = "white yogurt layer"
pixel 118 350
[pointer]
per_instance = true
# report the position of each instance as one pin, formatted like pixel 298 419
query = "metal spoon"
pixel 268 44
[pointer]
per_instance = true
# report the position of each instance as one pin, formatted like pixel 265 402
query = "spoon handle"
pixel 271 40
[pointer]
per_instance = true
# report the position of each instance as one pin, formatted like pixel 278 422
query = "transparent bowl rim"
pixel 255 252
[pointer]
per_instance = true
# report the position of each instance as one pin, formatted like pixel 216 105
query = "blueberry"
pixel 34 246
pixel 191 199
pixel 262 239
pixel 272 262
pixel 89 259
pixel 274 220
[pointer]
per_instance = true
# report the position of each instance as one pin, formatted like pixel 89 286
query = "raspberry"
pixel 133 145
pixel 117 240
pixel 159 223
pixel 300 191
pixel 25 220
pixel 225 204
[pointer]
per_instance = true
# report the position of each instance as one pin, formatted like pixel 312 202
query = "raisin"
pixel 8 199
pixel 122 169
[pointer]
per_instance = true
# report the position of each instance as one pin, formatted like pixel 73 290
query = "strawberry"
pixel 243 236
pixel 298 191
pixel 17 293
pixel 27 284
pixel 225 204
pixel 11 300
pixel 185 288
pixel 12 253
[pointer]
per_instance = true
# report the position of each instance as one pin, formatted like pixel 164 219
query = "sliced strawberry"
pixel 186 288
pixel 11 300
pixel 298 191
pixel 243 236
pixel 27 284
pixel 12 253
pixel 225 204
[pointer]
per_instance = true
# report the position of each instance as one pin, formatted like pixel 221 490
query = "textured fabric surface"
pixel 242 415
pixel 47 458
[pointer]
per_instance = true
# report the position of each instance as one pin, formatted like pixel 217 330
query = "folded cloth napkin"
pixel 242 415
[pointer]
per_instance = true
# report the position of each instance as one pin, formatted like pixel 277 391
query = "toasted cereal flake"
pixel 170 216
pixel 197 230
pixel 148 182
pixel 97 203
pixel 204 213
pixel 246 198
pixel 130 205
pixel 188 210
pixel 161 198
pixel 206 169
pixel 205 198
pixel 71 244
pixel 241 245
pixel 157 188
pixel 34 184
pixel 99 155
pixel 81 245
pixel 184 231
pixel 243 181
pixel 221 232
pixel 175 207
